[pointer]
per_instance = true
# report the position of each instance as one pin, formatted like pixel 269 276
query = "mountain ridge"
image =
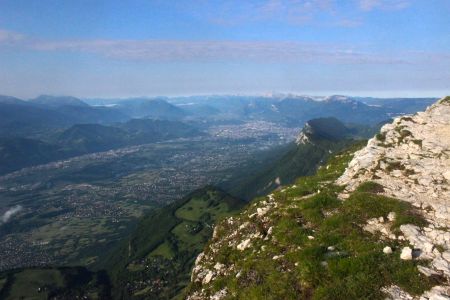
pixel 318 139
pixel 304 242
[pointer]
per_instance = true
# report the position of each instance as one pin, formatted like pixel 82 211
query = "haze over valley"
pixel 82 185
pixel 215 150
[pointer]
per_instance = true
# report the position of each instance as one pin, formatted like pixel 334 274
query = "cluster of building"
pixel 148 176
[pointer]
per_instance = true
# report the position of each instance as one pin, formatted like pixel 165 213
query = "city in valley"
pixel 77 205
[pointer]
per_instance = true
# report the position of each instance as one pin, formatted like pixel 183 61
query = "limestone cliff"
pixel 410 158
pixel 371 224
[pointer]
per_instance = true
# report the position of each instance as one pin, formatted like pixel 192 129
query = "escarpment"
pixel 371 224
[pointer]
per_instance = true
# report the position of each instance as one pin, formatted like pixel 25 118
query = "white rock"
pixel 387 250
pixel 199 258
pixel 218 266
pixel 208 277
pixel 391 216
pixel 244 225
pixel 436 293
pixel 441 264
pixel 446 255
pixel 427 271
pixel 331 248
pixel 406 253
pixel 396 293
pixel 262 211
pixel 446 175
pixel 310 237
pixel 428 247
pixel 244 245
pixel 219 295
pixel 429 164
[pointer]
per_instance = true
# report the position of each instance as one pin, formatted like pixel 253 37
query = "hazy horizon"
pixel 386 95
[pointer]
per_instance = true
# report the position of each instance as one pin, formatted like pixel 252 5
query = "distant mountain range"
pixel 295 110
pixel 86 138
pixel 287 109
pixel 44 113
pixel 47 128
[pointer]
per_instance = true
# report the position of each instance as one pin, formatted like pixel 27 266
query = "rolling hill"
pixel 46 114
pixel 150 108
pixel 154 262
pixel 17 152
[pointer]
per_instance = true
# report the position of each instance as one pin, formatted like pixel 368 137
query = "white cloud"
pixel 369 5
pixel 221 51
pixel 9 213
pixel 296 12
pixel 176 50
pixel 293 12
pixel 10 37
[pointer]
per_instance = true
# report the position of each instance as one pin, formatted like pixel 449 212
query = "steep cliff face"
pixel 370 224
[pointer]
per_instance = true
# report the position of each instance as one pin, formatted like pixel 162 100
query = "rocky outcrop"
pixel 303 137
pixel 410 158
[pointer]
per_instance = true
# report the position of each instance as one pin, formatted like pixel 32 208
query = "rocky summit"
pixel 410 159
pixel 373 223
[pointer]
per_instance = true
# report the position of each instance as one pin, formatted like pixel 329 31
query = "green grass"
pixel 357 269
pixel 446 100
pixel 197 207
pixel 27 283
pixel 381 137
pixel 183 232
pixel 162 249
pixel 165 250
pixel 142 292
pixel 370 187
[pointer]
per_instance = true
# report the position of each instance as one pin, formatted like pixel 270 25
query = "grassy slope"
pixel 298 160
pixel 357 269
pixel 162 249
pixel 327 136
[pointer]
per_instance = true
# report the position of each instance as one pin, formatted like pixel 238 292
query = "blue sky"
pixel 89 48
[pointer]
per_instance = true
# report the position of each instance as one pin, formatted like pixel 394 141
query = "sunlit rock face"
pixel 411 159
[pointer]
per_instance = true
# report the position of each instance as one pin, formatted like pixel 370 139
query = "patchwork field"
pixel 162 256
